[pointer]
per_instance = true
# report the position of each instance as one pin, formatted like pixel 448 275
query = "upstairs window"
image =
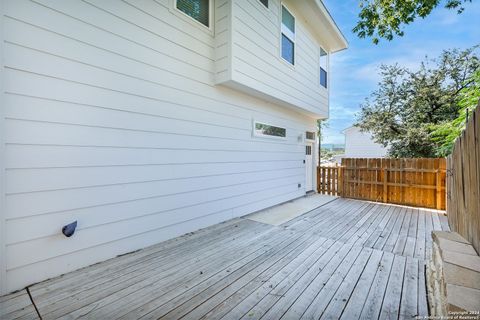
pixel 310 135
pixel 266 130
pixel 196 9
pixel 288 36
pixel 265 3
pixel 323 68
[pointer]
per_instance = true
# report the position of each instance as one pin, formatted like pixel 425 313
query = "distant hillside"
pixel 333 146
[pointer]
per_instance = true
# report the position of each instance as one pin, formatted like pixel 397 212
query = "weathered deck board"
pixel 409 303
pixel 391 300
pixel 244 299
pixel 357 298
pixel 326 285
pixel 373 304
pixel 347 259
pixel 17 306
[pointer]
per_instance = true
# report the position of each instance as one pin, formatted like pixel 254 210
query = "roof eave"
pixel 339 41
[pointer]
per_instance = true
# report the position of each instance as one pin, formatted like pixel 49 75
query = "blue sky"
pixel 354 73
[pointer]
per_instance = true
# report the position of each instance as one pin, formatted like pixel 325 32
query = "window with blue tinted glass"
pixel 323 77
pixel 288 20
pixel 288 36
pixel 323 68
pixel 288 49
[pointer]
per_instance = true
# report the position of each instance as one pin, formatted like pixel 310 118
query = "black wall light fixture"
pixel 69 229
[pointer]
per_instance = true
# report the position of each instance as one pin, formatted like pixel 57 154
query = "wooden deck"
pixel 348 259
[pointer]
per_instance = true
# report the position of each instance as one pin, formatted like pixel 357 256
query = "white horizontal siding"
pixel 360 144
pixel 3 229
pixel 164 197
pixel 257 63
pixel 43 269
pixel 222 42
pixel 112 118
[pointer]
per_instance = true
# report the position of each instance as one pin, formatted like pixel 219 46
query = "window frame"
pixel 314 136
pixel 327 70
pixel 266 6
pixel 192 20
pixel 289 35
pixel 309 147
pixel 266 136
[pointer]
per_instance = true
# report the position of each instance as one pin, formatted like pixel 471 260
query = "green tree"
pixel 409 105
pixel 322 124
pixel 447 132
pixel 386 18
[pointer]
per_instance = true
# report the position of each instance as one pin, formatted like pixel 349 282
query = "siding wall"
pixel 250 58
pixel 112 118
pixel 361 145
pixel 3 238
pixel 223 45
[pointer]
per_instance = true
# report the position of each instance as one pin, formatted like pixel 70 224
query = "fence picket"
pixel 416 182
pixel 463 182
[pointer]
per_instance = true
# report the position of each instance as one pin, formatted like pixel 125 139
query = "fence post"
pixel 438 189
pixel 340 181
pixel 318 179
pixel 328 181
pixel 385 185
pixel 334 181
pixel 323 180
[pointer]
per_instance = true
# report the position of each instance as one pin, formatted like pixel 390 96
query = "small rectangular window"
pixel 288 36
pixel 308 150
pixel 288 20
pixel 288 49
pixel 267 130
pixel 310 135
pixel 323 67
pixel 265 3
pixel 196 9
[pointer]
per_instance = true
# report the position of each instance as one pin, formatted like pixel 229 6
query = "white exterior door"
pixel 309 167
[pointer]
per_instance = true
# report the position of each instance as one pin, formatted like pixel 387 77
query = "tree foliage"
pixel 322 124
pixel 447 132
pixel 409 106
pixel 386 18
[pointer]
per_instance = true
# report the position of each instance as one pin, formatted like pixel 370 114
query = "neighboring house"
pixel 147 119
pixel 360 144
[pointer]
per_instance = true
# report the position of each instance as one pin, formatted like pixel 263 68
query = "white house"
pixel 360 144
pixel 146 119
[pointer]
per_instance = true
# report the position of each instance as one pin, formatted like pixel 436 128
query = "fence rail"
pixel 414 182
pixel 463 181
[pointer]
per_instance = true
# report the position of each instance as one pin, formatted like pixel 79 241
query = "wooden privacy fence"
pixel 327 180
pixel 463 181
pixel 414 182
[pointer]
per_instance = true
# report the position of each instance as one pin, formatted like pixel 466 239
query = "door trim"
pixel 312 168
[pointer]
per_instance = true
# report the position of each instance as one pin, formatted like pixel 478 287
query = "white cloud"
pixel 343 113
